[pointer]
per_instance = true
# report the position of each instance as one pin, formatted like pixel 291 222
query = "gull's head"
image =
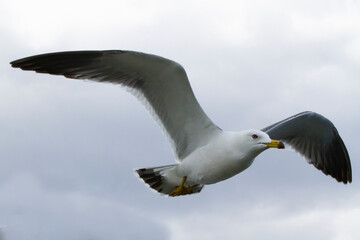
pixel 259 141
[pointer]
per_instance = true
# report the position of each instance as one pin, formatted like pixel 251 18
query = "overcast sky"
pixel 68 148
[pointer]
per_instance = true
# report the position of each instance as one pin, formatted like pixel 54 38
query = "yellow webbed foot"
pixel 182 190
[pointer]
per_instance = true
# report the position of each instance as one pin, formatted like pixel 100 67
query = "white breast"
pixel 219 160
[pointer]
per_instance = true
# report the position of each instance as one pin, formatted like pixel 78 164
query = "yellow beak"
pixel 275 144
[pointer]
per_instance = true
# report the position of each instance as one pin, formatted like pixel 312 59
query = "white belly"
pixel 223 157
pixel 207 167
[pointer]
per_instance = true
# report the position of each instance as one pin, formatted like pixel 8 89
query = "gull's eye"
pixel 254 136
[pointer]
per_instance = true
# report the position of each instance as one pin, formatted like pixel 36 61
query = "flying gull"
pixel 205 154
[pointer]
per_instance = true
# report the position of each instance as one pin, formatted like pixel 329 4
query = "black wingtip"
pixel 15 63
pixel 316 138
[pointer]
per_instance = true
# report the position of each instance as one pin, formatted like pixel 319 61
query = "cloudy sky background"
pixel 68 148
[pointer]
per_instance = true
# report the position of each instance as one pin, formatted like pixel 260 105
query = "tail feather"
pixel 160 179
pixel 151 178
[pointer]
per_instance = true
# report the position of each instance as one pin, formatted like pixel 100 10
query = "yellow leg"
pixel 181 190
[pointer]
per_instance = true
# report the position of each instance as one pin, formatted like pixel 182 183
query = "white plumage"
pixel 205 153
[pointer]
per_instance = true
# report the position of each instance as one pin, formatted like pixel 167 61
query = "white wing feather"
pixel 162 82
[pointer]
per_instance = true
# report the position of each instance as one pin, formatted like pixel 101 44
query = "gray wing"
pixel 317 139
pixel 162 82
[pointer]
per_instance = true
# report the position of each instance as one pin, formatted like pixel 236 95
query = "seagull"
pixel 205 154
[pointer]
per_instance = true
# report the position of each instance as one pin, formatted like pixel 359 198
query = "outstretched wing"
pixel 317 139
pixel 162 82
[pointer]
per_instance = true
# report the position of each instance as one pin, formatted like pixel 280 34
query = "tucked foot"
pixel 182 190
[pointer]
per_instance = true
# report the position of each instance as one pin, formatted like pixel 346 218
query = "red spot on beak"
pixel 281 145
